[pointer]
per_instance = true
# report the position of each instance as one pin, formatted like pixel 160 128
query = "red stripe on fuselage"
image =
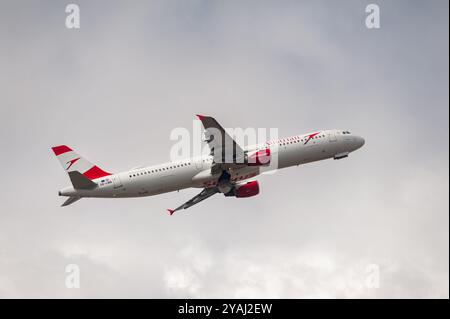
pixel 58 150
pixel 95 172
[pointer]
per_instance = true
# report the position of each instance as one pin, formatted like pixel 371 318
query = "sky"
pixel 115 88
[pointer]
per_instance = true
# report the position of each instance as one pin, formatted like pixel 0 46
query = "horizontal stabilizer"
pixel 70 200
pixel 79 181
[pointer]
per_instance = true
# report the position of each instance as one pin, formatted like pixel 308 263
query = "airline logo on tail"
pixel 71 161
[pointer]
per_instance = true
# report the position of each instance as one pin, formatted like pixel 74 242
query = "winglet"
pixel 200 117
pixel 171 211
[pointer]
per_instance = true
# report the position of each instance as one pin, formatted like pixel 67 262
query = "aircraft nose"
pixel 359 141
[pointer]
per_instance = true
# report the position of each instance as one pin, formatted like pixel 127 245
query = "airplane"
pixel 228 169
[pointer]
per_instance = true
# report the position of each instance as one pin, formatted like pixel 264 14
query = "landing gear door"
pixel 116 181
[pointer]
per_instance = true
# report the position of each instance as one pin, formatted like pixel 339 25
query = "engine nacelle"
pixel 258 158
pixel 246 190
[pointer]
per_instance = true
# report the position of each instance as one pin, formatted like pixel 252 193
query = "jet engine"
pixel 248 189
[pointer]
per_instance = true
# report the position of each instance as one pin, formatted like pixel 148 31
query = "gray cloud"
pixel 134 71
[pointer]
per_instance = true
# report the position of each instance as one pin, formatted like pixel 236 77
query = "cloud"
pixel 199 273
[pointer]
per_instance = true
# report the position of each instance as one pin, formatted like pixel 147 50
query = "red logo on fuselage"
pixel 71 163
pixel 311 136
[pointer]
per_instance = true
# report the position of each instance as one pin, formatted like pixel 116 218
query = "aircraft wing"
pixel 224 149
pixel 205 193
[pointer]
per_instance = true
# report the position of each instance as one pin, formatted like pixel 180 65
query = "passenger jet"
pixel 228 169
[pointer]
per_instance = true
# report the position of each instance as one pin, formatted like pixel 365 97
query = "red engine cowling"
pixel 259 158
pixel 247 190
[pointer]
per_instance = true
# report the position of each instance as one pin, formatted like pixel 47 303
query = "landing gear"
pixel 225 177
pixel 224 183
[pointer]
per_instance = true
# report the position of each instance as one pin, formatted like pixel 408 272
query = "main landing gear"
pixel 224 184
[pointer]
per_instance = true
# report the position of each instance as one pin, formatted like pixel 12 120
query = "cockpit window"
pixel 346 132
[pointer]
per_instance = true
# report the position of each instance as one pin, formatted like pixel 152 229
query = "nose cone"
pixel 359 142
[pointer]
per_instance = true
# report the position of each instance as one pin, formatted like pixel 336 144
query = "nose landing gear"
pixel 341 155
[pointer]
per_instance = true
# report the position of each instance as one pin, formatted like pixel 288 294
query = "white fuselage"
pixel 196 172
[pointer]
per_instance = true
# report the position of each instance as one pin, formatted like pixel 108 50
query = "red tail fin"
pixel 71 161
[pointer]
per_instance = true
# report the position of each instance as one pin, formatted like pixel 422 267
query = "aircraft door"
pixel 332 137
pixel 199 162
pixel 116 181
